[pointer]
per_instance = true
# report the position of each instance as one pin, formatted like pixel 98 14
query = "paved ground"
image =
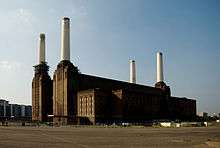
pixel 46 137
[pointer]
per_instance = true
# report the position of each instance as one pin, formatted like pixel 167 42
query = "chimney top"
pixel 66 18
pixel 42 36
pixel 159 52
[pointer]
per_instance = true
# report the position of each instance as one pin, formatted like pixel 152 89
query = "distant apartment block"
pixel 203 114
pixel 14 111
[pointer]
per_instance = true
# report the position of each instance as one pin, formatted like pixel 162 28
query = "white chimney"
pixel 42 48
pixel 65 39
pixel 132 71
pixel 159 67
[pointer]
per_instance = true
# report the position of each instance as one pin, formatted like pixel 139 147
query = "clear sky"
pixel 105 34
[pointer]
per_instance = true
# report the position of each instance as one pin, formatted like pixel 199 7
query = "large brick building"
pixel 73 97
pixel 101 100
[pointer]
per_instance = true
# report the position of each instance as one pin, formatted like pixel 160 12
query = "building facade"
pixel 64 92
pixel 101 100
pixel 41 93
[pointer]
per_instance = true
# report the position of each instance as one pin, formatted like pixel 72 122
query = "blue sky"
pixel 106 34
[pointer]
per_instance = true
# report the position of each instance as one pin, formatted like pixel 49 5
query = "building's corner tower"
pixel 41 87
pixel 164 101
pixel 65 81
pixel 160 78
pixel 132 71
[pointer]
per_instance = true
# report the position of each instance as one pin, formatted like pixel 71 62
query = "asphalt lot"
pixel 98 137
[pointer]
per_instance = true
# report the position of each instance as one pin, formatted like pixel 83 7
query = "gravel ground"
pixel 98 137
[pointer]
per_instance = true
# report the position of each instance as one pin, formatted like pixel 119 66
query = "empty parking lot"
pixel 99 137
